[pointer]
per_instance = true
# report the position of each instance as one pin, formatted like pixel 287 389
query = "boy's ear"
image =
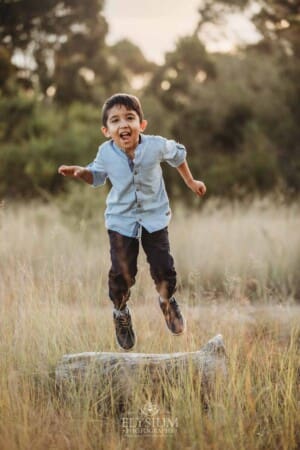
pixel 105 132
pixel 143 125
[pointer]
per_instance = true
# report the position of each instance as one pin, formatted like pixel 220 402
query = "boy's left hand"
pixel 198 187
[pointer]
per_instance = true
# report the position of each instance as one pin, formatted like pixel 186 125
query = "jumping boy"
pixel 137 208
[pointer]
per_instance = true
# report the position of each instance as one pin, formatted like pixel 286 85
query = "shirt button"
pixel 135 172
pixel 139 205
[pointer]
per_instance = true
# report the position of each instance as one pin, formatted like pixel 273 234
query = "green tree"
pixel 279 23
pixel 131 57
pixel 186 65
pixel 63 41
pixel 237 114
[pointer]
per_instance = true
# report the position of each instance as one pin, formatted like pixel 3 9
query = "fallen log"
pixel 126 371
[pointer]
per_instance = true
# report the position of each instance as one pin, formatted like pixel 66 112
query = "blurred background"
pixel 222 77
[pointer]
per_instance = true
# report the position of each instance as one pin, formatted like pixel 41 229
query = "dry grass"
pixel 238 271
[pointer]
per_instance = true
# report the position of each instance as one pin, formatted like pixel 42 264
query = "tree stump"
pixel 122 373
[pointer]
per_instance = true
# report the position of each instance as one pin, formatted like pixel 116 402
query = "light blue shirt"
pixel 138 195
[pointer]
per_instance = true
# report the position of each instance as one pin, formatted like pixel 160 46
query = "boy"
pixel 137 208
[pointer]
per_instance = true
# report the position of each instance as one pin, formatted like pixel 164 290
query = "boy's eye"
pixel 116 119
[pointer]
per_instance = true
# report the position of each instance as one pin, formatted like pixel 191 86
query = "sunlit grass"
pixel 238 272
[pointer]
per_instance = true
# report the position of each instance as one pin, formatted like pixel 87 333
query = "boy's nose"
pixel 123 123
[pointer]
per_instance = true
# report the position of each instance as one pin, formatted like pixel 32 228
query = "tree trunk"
pixel 126 371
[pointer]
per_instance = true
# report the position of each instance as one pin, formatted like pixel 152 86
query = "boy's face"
pixel 124 127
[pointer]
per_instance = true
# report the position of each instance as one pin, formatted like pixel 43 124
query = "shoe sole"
pixel 126 349
pixel 181 332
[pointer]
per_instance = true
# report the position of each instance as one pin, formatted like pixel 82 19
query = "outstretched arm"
pixel 78 172
pixel 196 186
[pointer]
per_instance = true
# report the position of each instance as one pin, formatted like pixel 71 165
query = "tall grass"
pixel 238 275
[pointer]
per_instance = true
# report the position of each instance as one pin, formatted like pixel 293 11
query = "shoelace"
pixel 175 305
pixel 123 318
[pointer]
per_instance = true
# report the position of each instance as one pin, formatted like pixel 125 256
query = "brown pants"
pixel 124 252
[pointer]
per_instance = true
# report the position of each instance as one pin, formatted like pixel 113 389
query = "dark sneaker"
pixel 124 331
pixel 174 319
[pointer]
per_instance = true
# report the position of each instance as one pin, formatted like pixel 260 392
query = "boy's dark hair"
pixel 129 101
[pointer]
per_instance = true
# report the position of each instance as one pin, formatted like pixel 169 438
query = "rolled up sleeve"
pixel 173 153
pixel 98 170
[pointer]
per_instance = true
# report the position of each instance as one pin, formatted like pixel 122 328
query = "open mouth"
pixel 125 135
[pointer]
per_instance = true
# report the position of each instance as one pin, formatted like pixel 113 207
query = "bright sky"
pixel 154 25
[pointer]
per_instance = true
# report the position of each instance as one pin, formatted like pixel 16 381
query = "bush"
pixel 47 138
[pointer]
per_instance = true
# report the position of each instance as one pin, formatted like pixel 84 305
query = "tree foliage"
pixel 61 40
pixel 238 114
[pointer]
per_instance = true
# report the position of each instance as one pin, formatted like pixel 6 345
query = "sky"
pixel 155 25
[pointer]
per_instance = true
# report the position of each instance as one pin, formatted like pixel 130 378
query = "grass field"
pixel 238 271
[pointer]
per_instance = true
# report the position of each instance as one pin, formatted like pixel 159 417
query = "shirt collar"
pixel 120 150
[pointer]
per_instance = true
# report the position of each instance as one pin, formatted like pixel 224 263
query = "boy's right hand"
pixel 76 172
